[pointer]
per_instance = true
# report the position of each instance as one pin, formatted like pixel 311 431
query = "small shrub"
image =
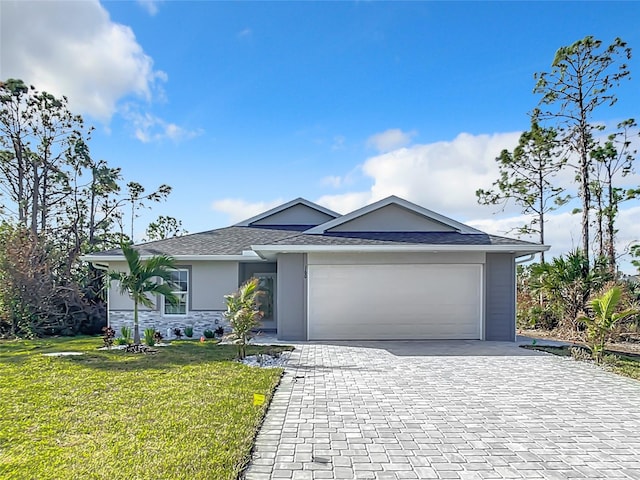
pixel 208 334
pixel 580 353
pixel 243 314
pixel 149 336
pixel 123 341
pixel 188 331
pixel 177 333
pixel 219 332
pixel 157 336
pixel 126 333
pixel 108 335
pixel 602 320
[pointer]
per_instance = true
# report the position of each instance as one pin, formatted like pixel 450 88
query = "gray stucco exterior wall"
pixel 292 295
pixel 500 297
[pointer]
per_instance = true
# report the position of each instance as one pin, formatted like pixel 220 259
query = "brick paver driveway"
pixel 468 410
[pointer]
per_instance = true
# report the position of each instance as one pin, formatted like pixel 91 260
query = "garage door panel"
pixel 394 301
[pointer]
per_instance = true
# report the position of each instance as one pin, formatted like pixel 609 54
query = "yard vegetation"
pixel 627 364
pixel 568 139
pixel 185 412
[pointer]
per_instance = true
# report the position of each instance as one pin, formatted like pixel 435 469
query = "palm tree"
pixel 142 280
pixel 603 319
pixel 243 313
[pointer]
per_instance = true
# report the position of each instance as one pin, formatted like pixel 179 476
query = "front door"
pixel 267 299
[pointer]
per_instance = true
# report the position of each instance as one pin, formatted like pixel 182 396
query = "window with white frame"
pixel 180 285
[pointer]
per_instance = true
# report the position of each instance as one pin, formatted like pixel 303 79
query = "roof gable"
pixel 392 214
pixel 391 218
pixel 295 212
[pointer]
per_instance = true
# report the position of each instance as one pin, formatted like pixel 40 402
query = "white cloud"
pixel 345 202
pixel 390 140
pixel 151 6
pixel 444 176
pixel 441 176
pixel 74 49
pixel 333 181
pixel 245 33
pixel 150 128
pixel 562 232
pixel 239 209
pixel 562 229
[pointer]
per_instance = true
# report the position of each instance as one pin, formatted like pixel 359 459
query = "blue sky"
pixel 242 105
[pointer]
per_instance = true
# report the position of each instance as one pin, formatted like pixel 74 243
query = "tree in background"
pixel 35 299
pixel 565 286
pixel 526 178
pixel 613 160
pixel 50 184
pixel 137 198
pixel 164 227
pixel 582 79
pixel 142 280
pixel 38 135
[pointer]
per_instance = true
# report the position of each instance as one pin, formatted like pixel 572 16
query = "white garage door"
pixel 371 302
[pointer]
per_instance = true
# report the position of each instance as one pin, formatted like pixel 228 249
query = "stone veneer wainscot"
pixel 200 321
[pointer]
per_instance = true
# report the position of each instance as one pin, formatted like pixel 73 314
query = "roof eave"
pixel 247 255
pixel 518 250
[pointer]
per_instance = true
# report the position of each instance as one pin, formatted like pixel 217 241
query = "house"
pixel 390 270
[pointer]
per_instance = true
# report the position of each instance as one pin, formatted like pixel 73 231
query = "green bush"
pixel 150 336
pixel 208 334
pixel 602 320
pixel 126 334
pixel 188 331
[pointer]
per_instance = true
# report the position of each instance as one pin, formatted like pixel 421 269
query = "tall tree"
pixel 582 78
pixel 38 134
pixel 165 227
pixel 137 198
pixel 142 280
pixel 49 183
pixel 613 160
pixel 526 178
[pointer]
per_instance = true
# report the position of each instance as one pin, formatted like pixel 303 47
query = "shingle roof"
pixel 223 241
pixel 233 240
pixel 398 238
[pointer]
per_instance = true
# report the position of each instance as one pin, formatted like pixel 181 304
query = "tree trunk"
pixel 583 143
pixel 19 151
pixel 35 193
pixel 611 231
pixel 541 210
pixel 586 201
pixel 136 325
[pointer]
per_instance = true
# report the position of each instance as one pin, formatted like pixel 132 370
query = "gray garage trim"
pixel 292 296
pixel 500 293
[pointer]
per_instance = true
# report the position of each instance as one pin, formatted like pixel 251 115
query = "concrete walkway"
pixel 460 410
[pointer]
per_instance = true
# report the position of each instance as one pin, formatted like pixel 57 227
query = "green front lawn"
pixel 185 412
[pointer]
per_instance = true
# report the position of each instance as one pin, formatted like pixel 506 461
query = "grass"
pixel 626 364
pixel 184 413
